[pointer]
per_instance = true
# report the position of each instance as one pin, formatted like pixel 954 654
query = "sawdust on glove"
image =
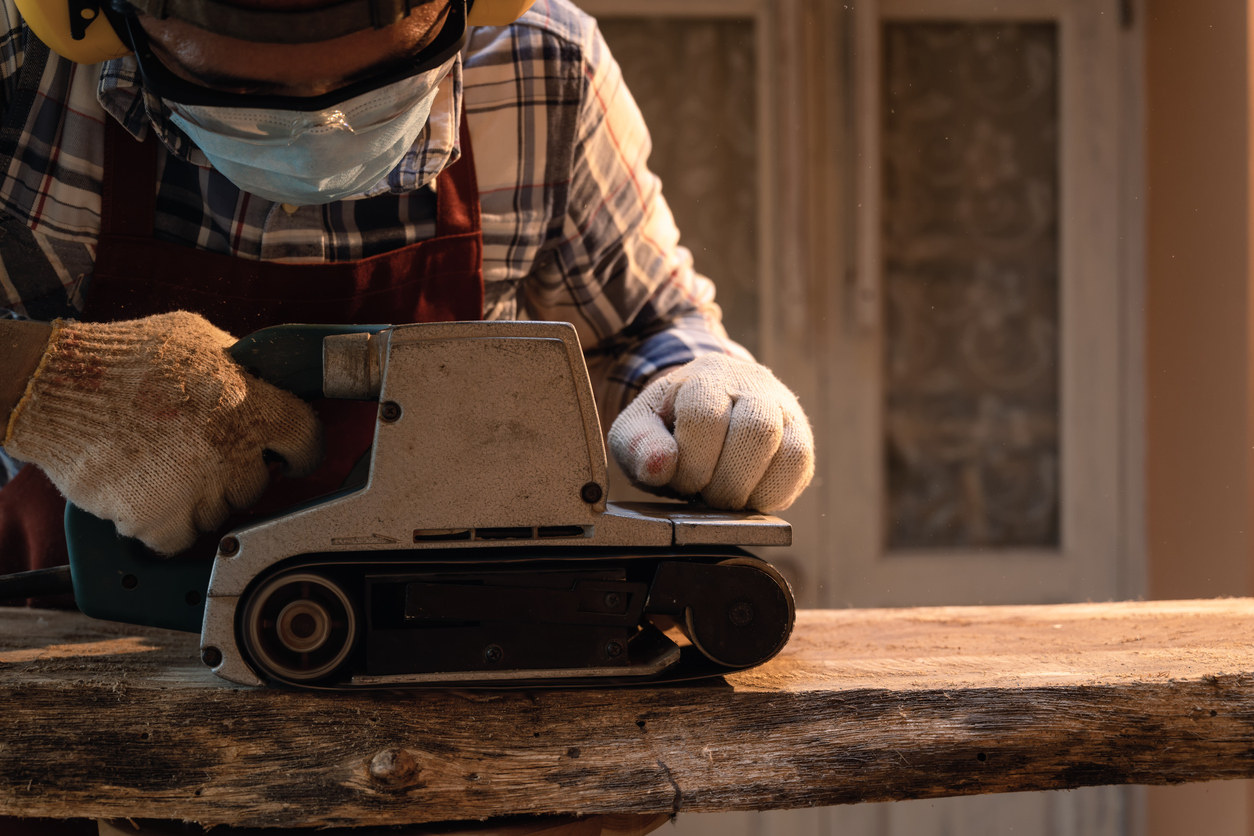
pixel 151 424
pixel 740 439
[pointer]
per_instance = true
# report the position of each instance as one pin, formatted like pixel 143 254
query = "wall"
pixel 1198 338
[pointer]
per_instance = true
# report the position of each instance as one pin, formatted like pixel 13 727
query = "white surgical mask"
pixel 313 158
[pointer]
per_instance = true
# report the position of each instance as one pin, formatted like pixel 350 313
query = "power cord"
pixel 36 583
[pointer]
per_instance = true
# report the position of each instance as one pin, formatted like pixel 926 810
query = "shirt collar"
pixel 122 96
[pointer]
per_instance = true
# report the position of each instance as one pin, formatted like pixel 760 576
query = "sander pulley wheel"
pixel 299 627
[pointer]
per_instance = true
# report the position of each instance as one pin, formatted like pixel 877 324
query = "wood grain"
pixel 109 721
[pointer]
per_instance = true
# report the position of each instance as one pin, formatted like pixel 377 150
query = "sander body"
pixel 473 546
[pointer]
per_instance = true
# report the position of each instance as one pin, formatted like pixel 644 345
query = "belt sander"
pixel 473 546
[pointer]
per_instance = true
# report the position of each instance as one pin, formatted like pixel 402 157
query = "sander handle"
pixel 290 356
pixel 118 578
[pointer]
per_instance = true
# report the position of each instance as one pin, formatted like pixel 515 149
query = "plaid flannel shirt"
pixel 575 227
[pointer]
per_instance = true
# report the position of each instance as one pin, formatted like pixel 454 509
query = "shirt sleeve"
pixel 618 272
pixel 12 50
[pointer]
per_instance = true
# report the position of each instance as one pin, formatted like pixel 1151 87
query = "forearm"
pixel 22 345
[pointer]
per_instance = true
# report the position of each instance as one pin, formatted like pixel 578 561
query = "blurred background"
pixel 1002 251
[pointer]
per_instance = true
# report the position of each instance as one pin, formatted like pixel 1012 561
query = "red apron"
pixel 437 280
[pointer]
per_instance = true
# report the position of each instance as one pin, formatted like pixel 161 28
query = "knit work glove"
pixel 151 424
pixel 740 438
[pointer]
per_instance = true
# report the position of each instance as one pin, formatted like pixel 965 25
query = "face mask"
pixel 313 158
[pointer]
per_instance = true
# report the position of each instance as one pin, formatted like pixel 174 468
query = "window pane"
pixel 695 82
pixel 971 258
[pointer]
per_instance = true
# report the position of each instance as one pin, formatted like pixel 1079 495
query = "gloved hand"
pixel 740 438
pixel 151 424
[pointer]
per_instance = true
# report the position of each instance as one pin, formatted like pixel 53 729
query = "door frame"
pixel 1101 553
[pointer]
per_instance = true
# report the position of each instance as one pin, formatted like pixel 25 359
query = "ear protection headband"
pixel 73 28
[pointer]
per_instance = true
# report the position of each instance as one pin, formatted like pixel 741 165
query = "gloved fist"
pixel 151 424
pixel 740 438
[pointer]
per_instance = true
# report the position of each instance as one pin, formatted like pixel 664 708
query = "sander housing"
pixel 474 546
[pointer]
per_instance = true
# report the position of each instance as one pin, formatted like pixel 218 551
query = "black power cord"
pixel 36 583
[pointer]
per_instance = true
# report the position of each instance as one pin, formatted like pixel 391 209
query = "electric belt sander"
pixel 473 547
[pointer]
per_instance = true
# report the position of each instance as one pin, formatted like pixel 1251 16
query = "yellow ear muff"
pixel 50 21
pixel 496 12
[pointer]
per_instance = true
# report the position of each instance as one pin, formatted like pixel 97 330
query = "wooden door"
pixel 833 295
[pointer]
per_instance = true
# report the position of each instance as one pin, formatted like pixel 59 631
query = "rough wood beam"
pixel 872 705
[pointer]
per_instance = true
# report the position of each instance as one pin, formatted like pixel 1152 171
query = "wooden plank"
pixel 109 721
